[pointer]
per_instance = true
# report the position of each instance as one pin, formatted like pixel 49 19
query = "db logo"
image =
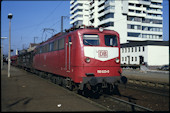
pixel 102 53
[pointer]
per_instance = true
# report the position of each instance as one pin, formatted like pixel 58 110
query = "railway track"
pixel 129 105
pixel 121 105
pixel 149 83
pixel 161 92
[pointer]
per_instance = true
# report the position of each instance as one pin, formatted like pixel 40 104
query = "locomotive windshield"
pixel 91 39
pixel 111 40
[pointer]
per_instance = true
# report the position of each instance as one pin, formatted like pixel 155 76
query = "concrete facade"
pixel 134 20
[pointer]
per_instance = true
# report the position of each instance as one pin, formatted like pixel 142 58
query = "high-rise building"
pixel 134 20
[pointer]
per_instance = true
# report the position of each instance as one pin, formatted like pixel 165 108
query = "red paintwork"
pixel 14 60
pixel 55 60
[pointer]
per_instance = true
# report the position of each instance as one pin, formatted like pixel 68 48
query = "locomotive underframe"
pixel 104 81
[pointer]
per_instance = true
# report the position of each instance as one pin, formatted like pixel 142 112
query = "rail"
pixel 149 83
pixel 132 106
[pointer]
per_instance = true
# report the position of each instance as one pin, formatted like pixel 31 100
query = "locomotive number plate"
pixel 102 71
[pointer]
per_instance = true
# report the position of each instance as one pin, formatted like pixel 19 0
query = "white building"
pixel 79 11
pixel 134 20
pixel 32 46
pixel 153 53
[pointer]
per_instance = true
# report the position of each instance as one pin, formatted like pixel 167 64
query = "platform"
pixel 26 92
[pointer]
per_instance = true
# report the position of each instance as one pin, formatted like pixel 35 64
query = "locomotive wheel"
pixel 87 92
pixel 96 91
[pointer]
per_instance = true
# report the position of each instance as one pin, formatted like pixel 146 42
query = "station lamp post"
pixel 2 51
pixel 9 52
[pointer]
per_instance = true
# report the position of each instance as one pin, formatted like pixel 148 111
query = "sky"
pixel 39 20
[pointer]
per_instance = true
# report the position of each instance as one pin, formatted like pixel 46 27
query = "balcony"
pixel 78 7
pixel 151 24
pixel 101 8
pixel 91 6
pixel 134 30
pixel 106 21
pixel 101 2
pixel 156 6
pixel 77 13
pixel 154 11
pixel 158 1
pixel 145 2
pixel 105 12
pixel 71 1
pixel 91 17
pixel 152 32
pixel 155 17
pixel 137 14
pixel 135 8
pixel 77 19
pixel 109 3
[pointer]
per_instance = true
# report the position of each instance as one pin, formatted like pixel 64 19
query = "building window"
pixel 132 49
pixel 139 49
pixel 138 11
pixel 137 27
pixel 131 4
pixel 143 48
pixel 135 58
pixel 109 15
pixel 138 5
pixel 129 49
pixel 79 22
pixel 135 49
pixel 107 24
pixel 109 7
pixel 133 34
pixel 132 58
pixel 125 58
pixel 122 50
pixel 78 16
pixel 122 58
pixel 131 10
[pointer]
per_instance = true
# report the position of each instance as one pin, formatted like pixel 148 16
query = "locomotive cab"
pixel 100 59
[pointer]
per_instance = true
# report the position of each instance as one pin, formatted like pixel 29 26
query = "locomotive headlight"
pixel 117 60
pixel 101 29
pixel 87 60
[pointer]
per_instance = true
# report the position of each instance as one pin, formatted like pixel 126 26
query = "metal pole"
pixel 61 24
pixel 9 52
pixel 1 55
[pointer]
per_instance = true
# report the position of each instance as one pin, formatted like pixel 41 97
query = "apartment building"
pixel 134 20
pixel 79 11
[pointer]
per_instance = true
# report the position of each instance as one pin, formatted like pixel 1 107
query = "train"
pixel 82 59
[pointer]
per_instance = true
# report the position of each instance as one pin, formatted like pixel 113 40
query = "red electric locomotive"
pixel 85 58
